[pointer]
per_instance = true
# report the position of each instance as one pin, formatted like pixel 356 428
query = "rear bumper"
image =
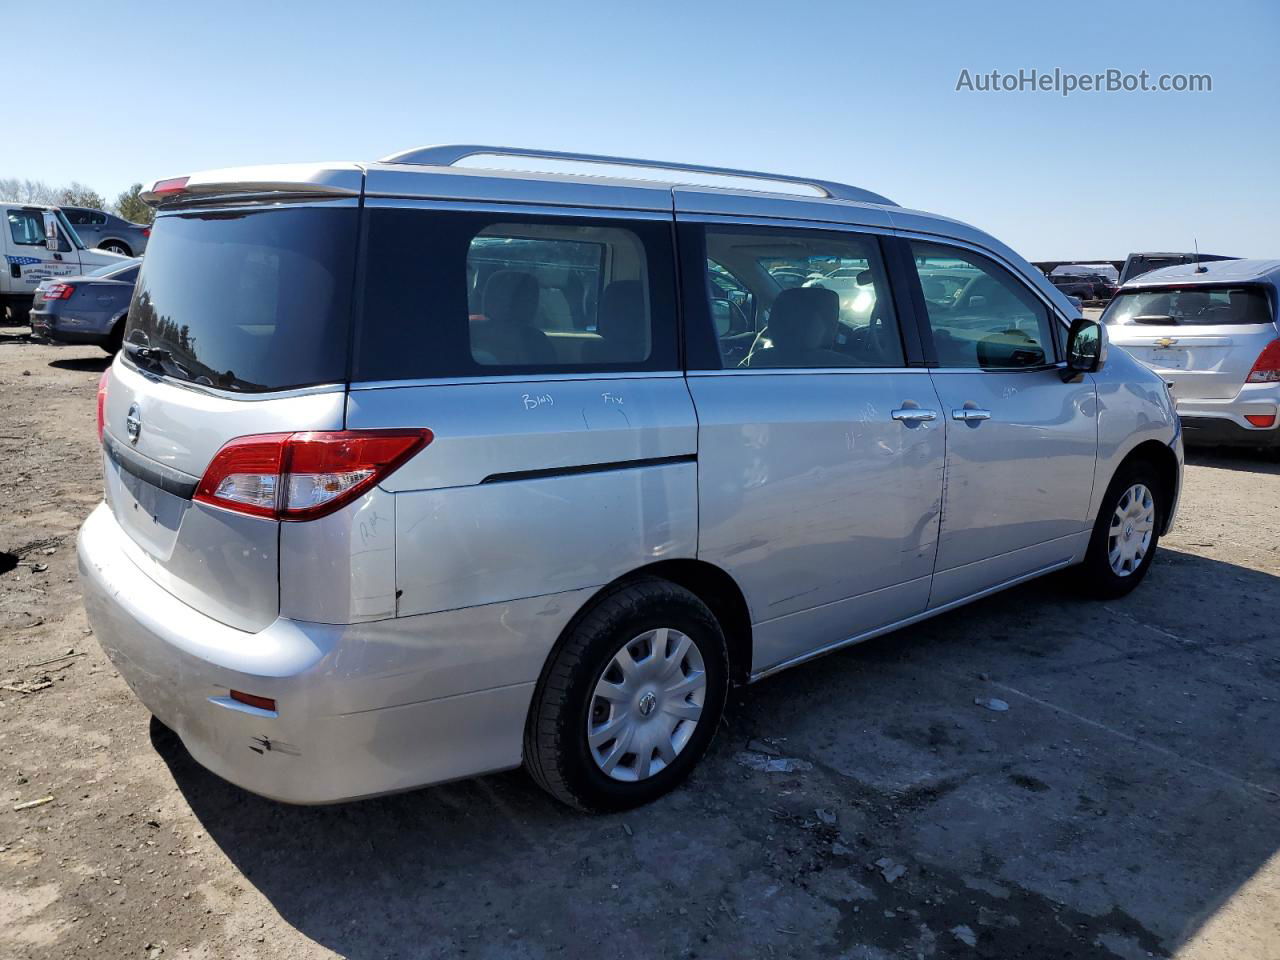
pixel 51 327
pixel 1227 432
pixel 359 712
pixel 1222 422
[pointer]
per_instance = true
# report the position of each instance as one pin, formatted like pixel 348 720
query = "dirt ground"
pixel 1126 804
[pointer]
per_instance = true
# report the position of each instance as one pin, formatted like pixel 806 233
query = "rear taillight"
pixel 302 476
pixel 146 232
pixel 59 291
pixel 102 401
pixel 1266 369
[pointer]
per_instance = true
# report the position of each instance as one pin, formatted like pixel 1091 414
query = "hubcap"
pixel 1132 527
pixel 646 704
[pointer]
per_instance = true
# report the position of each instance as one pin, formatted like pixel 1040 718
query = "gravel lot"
pixel 1126 804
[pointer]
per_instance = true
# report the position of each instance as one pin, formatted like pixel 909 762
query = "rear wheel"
pixel 117 246
pixel 1126 533
pixel 629 703
pixel 115 340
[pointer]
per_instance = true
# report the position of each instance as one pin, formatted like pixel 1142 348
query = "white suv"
pixel 1209 329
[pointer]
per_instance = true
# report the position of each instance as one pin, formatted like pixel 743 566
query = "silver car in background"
pixel 105 231
pixel 1209 329
pixel 416 471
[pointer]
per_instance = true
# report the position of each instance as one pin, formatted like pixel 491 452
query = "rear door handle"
pixel 970 413
pixel 913 415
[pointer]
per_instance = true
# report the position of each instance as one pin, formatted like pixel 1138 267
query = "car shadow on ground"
pixel 1230 458
pixel 83 364
pixel 1124 786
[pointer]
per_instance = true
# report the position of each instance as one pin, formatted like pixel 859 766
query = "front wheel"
pixel 1126 533
pixel 629 703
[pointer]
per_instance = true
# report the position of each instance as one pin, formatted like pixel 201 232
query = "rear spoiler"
pixel 276 181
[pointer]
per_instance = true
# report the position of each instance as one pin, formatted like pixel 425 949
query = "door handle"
pixel 913 415
pixel 970 413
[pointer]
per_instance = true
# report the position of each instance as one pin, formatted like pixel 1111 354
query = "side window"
pixel 450 294
pixel 26 227
pixel 799 299
pixel 980 314
pixel 553 295
pixel 97 219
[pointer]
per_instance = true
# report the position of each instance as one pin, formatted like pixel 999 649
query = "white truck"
pixel 37 243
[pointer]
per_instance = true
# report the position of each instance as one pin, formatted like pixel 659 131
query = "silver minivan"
pixel 417 470
pixel 1209 329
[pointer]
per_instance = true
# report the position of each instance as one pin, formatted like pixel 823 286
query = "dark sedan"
pixel 85 309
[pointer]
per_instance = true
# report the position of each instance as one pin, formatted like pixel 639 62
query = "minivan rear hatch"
pixel 1203 339
pixel 238 327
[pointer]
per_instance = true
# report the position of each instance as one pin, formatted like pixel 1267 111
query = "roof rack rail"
pixel 448 154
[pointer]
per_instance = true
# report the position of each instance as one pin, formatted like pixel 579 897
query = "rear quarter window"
pixel 448 294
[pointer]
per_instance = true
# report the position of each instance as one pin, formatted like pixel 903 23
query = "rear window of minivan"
pixel 448 294
pixel 246 300
pixel 1190 305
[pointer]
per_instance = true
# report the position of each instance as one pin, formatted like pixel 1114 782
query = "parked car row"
pixel 43 242
pixel 866 417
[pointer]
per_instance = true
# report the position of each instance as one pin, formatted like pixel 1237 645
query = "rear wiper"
pixel 155 357
pixel 1155 318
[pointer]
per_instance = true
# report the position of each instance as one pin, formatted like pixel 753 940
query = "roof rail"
pixel 448 154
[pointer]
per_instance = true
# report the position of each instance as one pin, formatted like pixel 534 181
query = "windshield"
pixel 1198 305
pixel 71 231
pixel 246 300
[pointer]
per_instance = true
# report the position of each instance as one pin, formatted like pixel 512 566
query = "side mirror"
pixel 50 231
pixel 1086 347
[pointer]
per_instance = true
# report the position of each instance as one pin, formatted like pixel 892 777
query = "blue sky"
pixel 857 91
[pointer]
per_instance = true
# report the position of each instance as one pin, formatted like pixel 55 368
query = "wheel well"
pixel 127 246
pixel 1165 463
pixel 719 592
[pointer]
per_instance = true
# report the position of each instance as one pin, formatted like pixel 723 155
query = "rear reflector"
pixel 302 476
pixel 1261 419
pixel 1266 369
pixel 172 185
pixel 262 703
pixel 59 291
pixel 102 400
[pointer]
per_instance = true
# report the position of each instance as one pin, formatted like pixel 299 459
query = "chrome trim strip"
pixel 794 371
pixel 520 378
pixel 908 621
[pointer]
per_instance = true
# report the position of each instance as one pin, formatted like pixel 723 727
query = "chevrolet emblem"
pixel 1166 341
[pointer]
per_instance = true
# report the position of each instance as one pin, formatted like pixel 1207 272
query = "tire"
pixel 650 707
pixel 117 246
pixel 1126 508
pixel 19 312
pixel 115 340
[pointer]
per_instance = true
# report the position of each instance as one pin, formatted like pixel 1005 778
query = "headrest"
pixel 621 314
pixel 804 318
pixel 511 296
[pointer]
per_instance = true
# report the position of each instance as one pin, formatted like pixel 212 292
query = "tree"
pixel 27 191
pixel 131 206
pixel 78 195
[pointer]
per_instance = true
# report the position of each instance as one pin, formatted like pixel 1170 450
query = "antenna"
pixel 1200 267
